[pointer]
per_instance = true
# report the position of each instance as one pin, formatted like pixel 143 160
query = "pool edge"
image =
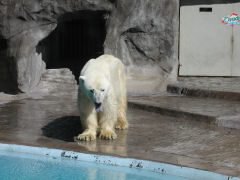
pixel 158 167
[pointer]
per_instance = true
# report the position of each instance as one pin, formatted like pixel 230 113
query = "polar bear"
pixel 102 98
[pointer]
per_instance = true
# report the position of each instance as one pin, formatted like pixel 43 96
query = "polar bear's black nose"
pixel 97 104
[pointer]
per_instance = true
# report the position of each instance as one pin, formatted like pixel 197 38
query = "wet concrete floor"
pixel 53 122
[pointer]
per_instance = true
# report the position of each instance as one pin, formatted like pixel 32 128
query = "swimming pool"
pixel 33 163
pixel 33 167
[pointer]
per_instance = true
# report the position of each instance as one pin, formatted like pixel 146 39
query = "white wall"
pixel 207 46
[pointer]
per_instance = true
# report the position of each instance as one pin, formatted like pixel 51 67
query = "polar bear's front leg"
pixel 107 132
pixel 89 123
pixel 107 122
pixel 108 117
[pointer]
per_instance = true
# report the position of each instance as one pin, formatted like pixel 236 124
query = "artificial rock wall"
pixel 142 33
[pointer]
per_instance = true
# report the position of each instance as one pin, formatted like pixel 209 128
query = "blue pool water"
pixel 21 166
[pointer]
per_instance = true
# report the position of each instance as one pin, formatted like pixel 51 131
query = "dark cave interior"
pixel 8 73
pixel 77 38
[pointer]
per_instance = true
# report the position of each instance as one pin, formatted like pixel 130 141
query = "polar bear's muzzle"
pixel 98 107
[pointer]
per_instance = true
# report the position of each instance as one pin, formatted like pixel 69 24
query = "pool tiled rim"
pixel 169 169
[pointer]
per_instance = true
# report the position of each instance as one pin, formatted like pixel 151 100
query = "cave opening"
pixel 8 77
pixel 77 38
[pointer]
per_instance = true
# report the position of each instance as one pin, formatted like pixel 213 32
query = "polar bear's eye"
pixel 92 90
pixel 102 90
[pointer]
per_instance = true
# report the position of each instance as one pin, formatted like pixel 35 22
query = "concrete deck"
pixel 213 87
pixel 221 112
pixel 53 122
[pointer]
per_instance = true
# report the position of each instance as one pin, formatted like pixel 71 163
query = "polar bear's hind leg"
pixel 122 106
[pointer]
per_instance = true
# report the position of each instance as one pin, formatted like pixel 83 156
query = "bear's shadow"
pixel 64 128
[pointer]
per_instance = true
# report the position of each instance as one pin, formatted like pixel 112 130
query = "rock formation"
pixel 143 33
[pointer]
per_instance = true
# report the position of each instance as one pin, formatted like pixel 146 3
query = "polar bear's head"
pixel 96 89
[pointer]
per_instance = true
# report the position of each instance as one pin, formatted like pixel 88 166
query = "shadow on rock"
pixel 64 128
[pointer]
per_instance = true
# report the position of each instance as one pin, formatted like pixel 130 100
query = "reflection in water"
pixel 96 174
pixel 8 120
pixel 118 146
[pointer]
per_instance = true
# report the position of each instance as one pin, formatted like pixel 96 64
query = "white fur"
pixel 102 81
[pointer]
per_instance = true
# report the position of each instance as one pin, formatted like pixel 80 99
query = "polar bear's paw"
pixel 86 136
pixel 121 124
pixel 108 134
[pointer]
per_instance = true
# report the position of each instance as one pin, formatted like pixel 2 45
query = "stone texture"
pixel 56 82
pixel 6 98
pixel 143 33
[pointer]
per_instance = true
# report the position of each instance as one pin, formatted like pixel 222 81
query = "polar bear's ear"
pixel 82 78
